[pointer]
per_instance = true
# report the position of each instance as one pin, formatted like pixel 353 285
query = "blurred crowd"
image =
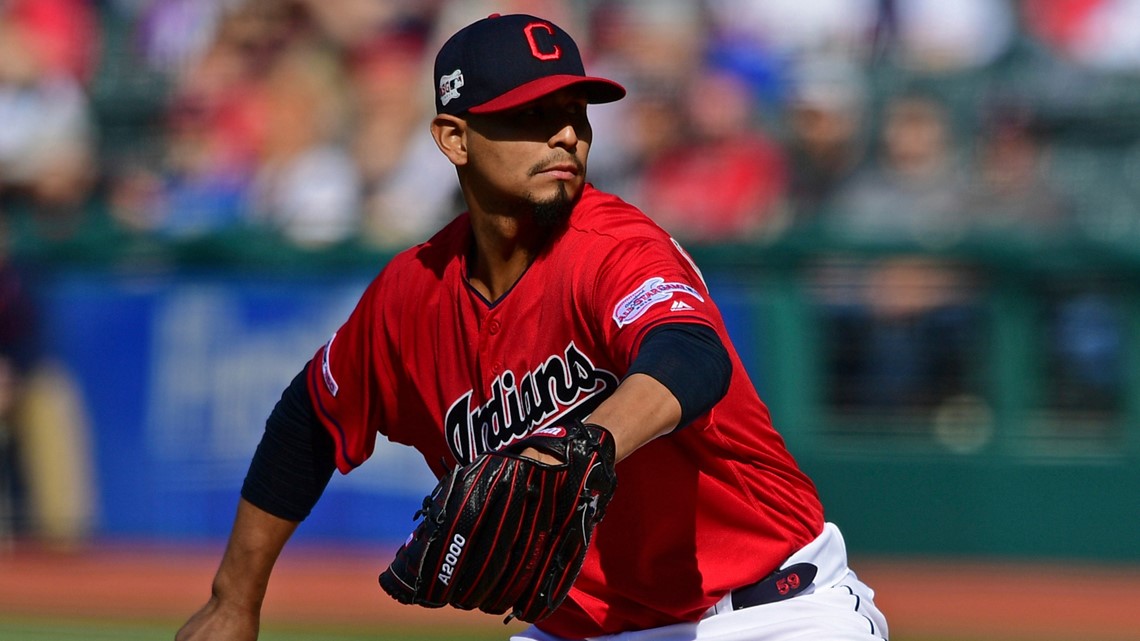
pixel 746 118
pixel 912 122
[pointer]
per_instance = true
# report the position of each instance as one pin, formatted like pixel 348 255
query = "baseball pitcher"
pixel 606 468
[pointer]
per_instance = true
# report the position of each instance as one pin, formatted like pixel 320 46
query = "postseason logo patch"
pixel 653 291
pixel 449 86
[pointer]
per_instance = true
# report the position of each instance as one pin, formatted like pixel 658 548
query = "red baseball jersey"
pixel 426 361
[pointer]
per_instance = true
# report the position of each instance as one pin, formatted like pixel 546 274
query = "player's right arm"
pixel 289 471
pixel 233 612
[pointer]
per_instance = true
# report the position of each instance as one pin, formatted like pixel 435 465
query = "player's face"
pixel 536 153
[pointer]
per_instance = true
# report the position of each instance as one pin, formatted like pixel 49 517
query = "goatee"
pixel 552 213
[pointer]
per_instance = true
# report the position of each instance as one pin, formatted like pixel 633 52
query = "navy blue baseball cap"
pixel 504 61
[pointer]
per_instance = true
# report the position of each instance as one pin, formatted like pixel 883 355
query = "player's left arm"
pixel 655 313
pixel 639 411
pixel 681 371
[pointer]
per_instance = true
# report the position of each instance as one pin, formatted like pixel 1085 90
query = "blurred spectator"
pixel 826 120
pixel 935 36
pixel 172 36
pixel 47 163
pixel 1099 34
pixel 358 24
pixel 1012 199
pixel 403 199
pixel 1011 196
pixel 252 137
pixel 49 50
pixel 721 178
pixel 914 192
pixel 899 334
pixel 63 35
pixel 306 184
pixel 657 41
pixel 47 483
pixel 687 144
pixel 211 133
pixel 793 29
pixel 767 42
pixel 1084 350
pixel 901 327
pixel 19 352
pixel 653 49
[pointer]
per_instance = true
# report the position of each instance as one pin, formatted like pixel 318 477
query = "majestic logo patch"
pixel 449 86
pixel 651 292
pixel 565 383
pixel 326 370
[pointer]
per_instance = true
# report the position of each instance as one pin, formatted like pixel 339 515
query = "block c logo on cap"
pixel 535 50
pixel 449 86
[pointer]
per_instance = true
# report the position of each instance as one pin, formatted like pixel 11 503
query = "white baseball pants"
pixel 837 607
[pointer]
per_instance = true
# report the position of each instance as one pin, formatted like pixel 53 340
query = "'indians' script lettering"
pixel 519 404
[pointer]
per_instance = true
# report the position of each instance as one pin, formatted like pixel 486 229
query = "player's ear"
pixel 450 134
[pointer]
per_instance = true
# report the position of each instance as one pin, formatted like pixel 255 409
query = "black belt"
pixel 777 586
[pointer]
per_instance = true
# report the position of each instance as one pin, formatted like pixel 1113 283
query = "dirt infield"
pixel 931 599
pixel 1005 600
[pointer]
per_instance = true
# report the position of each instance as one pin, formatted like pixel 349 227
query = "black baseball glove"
pixel 506 532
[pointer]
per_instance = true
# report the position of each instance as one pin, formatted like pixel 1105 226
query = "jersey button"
pixel 494 327
pixel 497 368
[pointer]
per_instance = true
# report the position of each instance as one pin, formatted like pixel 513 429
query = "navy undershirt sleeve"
pixel 690 361
pixel 295 459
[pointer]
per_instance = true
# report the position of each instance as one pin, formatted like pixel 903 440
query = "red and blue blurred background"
pixel 920 219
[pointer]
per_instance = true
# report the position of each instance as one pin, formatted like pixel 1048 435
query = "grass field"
pixel 44 630
pixel 95 630
pixel 39 630
pixel 33 629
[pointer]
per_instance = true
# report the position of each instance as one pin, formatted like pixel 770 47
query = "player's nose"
pixel 566 137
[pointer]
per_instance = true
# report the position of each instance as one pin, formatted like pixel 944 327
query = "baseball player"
pixel 607 468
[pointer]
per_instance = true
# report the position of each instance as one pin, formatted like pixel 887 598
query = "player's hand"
pixel 217 621
pixel 539 456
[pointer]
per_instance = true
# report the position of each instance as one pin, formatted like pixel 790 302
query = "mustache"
pixel 558 159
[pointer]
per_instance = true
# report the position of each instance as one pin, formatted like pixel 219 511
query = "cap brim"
pixel 598 90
